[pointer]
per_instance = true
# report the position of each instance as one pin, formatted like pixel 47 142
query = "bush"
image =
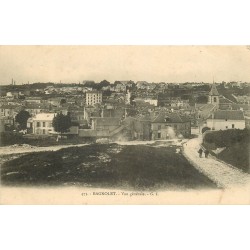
pixel 205 129
pixel 226 138
pixel 9 138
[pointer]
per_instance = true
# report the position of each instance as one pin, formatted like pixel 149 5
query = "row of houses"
pixel 141 118
pixel 165 125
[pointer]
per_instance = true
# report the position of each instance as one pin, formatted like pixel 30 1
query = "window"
pixel 44 125
pixel 159 135
pixel 159 127
pixel 226 126
pixel 232 125
pixel 215 99
pixel 38 124
pixel 44 131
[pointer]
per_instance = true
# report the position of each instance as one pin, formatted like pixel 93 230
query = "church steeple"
pixel 213 97
pixel 213 91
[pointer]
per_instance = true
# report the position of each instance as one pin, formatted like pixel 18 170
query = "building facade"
pixel 226 119
pixel 170 126
pixel 41 124
pixel 93 97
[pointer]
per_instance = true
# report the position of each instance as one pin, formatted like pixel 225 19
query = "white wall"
pixel 222 124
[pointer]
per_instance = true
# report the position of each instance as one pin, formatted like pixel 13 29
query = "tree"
pixel 63 101
pixel 205 129
pixel 102 84
pixel 61 123
pixel 22 118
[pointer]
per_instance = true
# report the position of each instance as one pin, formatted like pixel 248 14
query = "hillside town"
pixel 125 110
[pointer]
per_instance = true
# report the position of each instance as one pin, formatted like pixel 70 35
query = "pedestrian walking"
pixel 206 153
pixel 200 152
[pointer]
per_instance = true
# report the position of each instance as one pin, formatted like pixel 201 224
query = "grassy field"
pixel 140 167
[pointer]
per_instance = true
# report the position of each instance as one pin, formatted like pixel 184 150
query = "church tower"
pixel 213 97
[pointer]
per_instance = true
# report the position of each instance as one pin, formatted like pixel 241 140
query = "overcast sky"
pixel 149 63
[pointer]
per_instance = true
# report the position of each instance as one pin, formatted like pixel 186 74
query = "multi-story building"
pixel 10 110
pixel 226 119
pixel 93 97
pixel 170 125
pixel 42 123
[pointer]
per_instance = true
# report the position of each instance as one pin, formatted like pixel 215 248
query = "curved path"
pixel 224 175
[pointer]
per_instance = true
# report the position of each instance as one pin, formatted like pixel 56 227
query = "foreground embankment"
pixel 158 165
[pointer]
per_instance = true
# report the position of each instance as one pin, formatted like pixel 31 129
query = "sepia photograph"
pixel 124 124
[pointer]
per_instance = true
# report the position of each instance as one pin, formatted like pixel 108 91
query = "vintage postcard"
pixel 124 125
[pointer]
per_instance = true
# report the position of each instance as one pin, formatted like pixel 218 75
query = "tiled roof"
pixel 223 100
pixel 36 106
pixel 169 117
pixel 241 106
pixel 107 121
pixel 208 107
pixel 228 114
pixel 44 117
pixel 144 118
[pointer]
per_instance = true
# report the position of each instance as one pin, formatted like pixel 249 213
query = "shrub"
pixel 226 138
pixel 205 129
pixel 9 138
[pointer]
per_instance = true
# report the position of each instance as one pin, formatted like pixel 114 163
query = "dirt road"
pixel 222 174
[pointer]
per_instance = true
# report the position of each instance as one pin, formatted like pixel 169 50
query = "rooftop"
pixel 228 115
pixel 94 92
pixel 107 121
pixel 241 106
pixel 44 116
pixel 170 118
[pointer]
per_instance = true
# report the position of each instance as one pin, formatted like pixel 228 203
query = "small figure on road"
pixel 206 153
pixel 200 152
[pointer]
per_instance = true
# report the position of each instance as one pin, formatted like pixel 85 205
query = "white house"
pixel 42 123
pixel 226 119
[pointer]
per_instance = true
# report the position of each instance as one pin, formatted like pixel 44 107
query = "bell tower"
pixel 213 97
